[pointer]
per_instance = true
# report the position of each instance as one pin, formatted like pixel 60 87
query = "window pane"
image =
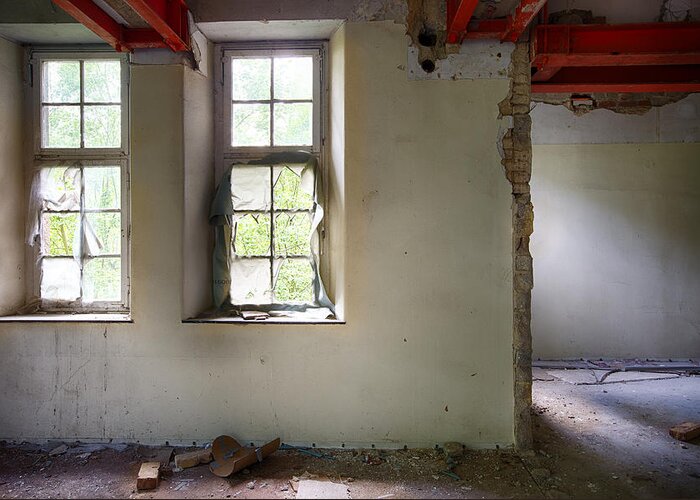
pixel 60 279
pixel 59 234
pixel 250 125
pixel 102 280
pixel 294 77
pixel 102 126
pixel 60 188
pixel 250 79
pixel 102 187
pixel 295 282
pixel 61 81
pixel 105 229
pixel 62 127
pixel 250 281
pixel 288 192
pixel 293 124
pixel 252 235
pixel 102 81
pixel 250 187
pixel 292 234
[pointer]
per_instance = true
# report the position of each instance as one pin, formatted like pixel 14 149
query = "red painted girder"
pixel 680 78
pixel 97 20
pixel 459 12
pixel 485 28
pixel 169 18
pixel 524 13
pixel 597 40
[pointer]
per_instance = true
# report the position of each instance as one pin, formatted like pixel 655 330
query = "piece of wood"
pixel 685 431
pixel 149 476
pixel 193 458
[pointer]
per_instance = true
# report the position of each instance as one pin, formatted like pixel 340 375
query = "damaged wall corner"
pixel 516 147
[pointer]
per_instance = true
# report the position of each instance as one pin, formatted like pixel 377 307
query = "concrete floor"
pixel 591 440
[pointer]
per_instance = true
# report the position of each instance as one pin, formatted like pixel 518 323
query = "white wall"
pixel 616 247
pixel 12 213
pixel 426 354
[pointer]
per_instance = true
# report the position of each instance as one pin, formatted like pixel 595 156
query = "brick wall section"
pixel 517 160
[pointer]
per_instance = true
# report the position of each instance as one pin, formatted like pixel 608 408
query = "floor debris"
pixel 59 450
pixel 193 458
pixel 311 489
pixel 686 431
pixel 149 476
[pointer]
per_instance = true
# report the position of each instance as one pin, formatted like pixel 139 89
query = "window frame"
pixel 82 158
pixel 227 155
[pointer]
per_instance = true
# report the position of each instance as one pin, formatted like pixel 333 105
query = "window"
pixel 79 201
pixel 268 206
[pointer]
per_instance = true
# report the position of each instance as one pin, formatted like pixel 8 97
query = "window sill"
pixel 68 318
pixel 268 321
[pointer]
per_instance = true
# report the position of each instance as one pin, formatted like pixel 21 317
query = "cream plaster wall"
pixel 11 178
pixel 426 354
pixel 616 247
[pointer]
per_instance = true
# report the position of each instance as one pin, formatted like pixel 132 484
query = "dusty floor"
pixel 591 440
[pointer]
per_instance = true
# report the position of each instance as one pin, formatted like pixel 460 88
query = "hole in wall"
pixel 427 37
pixel 428 66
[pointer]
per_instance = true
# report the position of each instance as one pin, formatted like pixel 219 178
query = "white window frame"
pixel 83 158
pixel 226 154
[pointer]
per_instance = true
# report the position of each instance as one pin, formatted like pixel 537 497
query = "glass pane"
pixel 60 279
pixel 294 77
pixel 61 127
pixel 250 281
pixel 252 235
pixel 102 81
pixel 60 188
pixel 106 230
pixel 292 234
pixel 288 192
pixel 59 234
pixel 293 124
pixel 295 282
pixel 102 280
pixel 61 81
pixel 250 187
pixel 102 126
pixel 250 79
pixel 250 125
pixel 102 187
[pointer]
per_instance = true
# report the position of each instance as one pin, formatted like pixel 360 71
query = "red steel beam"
pixel 665 78
pixel 485 28
pixel 167 17
pixel 97 20
pixel 524 13
pixel 459 12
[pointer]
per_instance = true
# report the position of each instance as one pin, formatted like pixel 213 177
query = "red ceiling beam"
pixel 459 12
pixel 485 28
pixel 96 20
pixel 125 39
pixel 167 17
pixel 524 13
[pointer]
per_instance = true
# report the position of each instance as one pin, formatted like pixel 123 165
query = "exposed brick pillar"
pixel 517 160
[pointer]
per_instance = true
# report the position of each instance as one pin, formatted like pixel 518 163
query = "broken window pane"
pixel 250 79
pixel 288 192
pixel 102 81
pixel 294 78
pixel 60 279
pixel 250 281
pixel 252 235
pixel 62 81
pixel 59 233
pixel 293 124
pixel 102 187
pixel 292 234
pixel 250 125
pixel 107 230
pixel 102 279
pixel 62 127
pixel 102 126
pixel 60 188
pixel 250 188
pixel 295 281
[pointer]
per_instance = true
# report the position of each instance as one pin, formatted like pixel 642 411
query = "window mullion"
pixel 272 101
pixel 82 229
pixel 272 232
pixel 82 106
